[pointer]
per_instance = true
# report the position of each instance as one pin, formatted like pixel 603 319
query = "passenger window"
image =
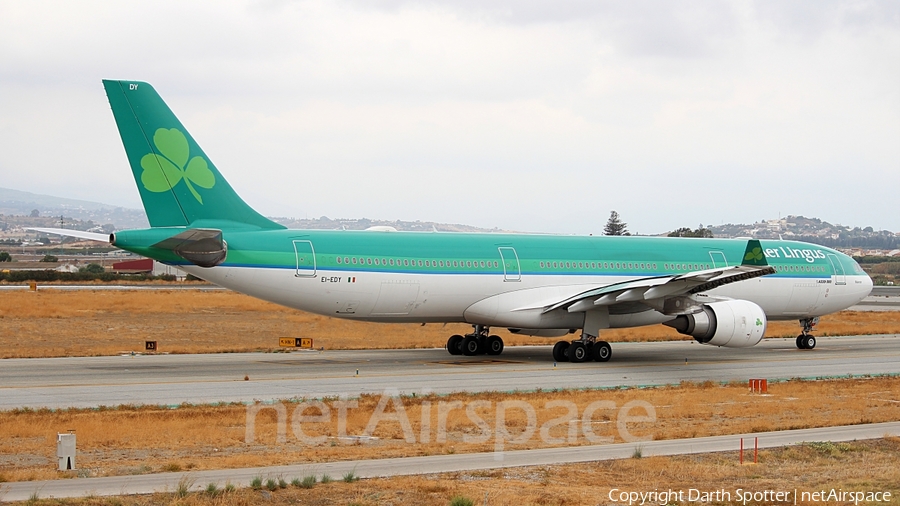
pixel 338 259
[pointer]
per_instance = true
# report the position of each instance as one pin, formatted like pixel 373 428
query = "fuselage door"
pixel 718 259
pixel 306 259
pixel 839 277
pixel 510 261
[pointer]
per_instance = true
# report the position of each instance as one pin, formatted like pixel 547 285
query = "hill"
pixel 815 231
pixel 17 209
pixel 19 203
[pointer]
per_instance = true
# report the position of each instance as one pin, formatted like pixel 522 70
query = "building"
pixel 147 266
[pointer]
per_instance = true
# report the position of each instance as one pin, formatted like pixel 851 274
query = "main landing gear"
pixel 479 342
pixel 805 341
pixel 582 350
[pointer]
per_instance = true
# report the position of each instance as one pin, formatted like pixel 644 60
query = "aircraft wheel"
pixel 806 342
pixel 601 351
pixel 559 351
pixel 471 346
pixel 494 345
pixel 454 345
pixel 577 352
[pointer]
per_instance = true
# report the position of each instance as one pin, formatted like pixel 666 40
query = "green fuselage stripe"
pixel 496 254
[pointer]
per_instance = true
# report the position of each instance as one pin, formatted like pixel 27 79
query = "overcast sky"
pixel 522 115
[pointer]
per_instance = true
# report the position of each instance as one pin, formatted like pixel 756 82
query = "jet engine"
pixel 732 323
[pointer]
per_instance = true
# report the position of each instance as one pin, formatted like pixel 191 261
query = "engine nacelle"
pixel 732 323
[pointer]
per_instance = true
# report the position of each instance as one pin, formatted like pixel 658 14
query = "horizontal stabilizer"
pixel 91 236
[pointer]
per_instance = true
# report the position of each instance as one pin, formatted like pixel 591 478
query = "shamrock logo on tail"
pixel 754 255
pixel 175 165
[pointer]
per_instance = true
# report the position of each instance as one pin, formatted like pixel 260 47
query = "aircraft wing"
pixel 91 236
pixel 654 291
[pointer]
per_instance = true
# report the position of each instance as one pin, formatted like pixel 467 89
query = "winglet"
pixel 754 255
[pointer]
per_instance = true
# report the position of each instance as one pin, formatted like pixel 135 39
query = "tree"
pixel 93 269
pixel 615 226
pixel 4 257
pixel 687 232
pixel 35 213
pixel 49 258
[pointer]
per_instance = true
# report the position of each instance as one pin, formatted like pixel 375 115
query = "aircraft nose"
pixel 866 288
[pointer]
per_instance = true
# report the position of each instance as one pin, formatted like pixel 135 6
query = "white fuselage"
pixel 413 297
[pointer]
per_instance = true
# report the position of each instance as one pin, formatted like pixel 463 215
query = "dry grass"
pixel 51 323
pixel 150 439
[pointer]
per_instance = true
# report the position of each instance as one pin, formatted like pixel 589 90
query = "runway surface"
pixel 198 379
pixel 163 482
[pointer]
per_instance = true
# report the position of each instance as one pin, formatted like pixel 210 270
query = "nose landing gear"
pixel 805 341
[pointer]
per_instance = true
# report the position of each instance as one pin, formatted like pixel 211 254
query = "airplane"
pixel 722 292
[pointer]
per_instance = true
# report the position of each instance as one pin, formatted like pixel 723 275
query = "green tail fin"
pixel 179 185
pixel 754 255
